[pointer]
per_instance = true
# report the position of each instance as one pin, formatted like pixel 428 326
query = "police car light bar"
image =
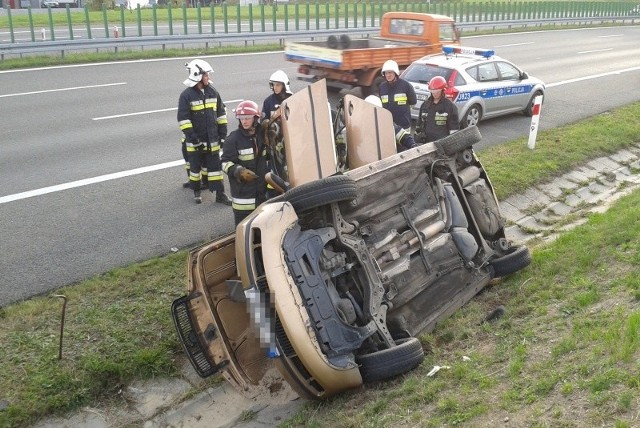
pixel 450 50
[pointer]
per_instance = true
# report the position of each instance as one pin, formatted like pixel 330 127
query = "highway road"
pixel 90 164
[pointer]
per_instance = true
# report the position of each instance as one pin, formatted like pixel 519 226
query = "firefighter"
pixel 281 90
pixel 438 115
pixel 203 120
pixel 397 95
pixel 244 160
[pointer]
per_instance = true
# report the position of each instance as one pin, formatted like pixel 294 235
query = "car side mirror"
pixel 524 75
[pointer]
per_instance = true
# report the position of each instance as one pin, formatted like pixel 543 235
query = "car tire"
pixel 471 117
pixel 517 257
pixel 391 362
pixel 528 111
pixel 336 188
pixel 458 141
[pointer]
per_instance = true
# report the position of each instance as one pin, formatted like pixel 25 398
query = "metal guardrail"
pixel 246 39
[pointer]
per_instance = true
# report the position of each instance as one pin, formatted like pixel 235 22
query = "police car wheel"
pixel 472 116
pixel 528 111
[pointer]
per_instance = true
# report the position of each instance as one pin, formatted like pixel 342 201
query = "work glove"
pixel 245 175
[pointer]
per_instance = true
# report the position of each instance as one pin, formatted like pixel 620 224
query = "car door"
pixel 491 88
pixel 517 92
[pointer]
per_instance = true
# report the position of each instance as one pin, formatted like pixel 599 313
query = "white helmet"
pixel 280 76
pixel 374 99
pixel 391 65
pixel 197 68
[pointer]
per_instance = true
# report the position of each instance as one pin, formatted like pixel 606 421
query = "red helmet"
pixel 247 108
pixel 437 82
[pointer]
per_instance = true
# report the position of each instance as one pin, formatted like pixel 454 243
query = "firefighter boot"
pixel 222 198
pixel 196 196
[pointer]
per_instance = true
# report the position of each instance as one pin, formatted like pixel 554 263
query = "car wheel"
pixel 336 188
pixel 471 117
pixel 385 364
pixel 517 257
pixel 458 141
pixel 528 111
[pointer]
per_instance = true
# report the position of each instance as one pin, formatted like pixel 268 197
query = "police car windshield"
pixel 423 73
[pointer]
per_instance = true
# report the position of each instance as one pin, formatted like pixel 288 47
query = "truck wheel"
pixel 458 141
pixel 345 41
pixel 471 117
pixel 385 364
pixel 518 257
pixel 336 188
pixel 374 89
pixel 332 42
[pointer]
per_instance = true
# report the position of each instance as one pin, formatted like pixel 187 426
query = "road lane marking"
pixel 118 116
pixel 514 44
pixel 593 76
pixel 594 50
pixel 88 181
pixel 62 89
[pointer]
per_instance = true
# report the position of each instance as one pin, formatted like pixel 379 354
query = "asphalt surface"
pixel 90 175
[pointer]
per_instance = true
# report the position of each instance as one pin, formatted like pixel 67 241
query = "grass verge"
pixel 571 333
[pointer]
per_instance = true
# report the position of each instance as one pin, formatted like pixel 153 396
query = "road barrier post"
pixel 43 33
pixel 535 118
pixel 115 31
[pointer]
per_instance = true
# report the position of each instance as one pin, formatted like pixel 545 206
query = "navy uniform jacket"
pixel 398 97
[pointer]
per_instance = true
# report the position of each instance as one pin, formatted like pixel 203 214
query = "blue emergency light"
pixel 450 50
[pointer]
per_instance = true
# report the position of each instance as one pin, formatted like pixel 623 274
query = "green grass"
pixel 570 336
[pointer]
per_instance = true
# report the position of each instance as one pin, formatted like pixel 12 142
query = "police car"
pixel 480 83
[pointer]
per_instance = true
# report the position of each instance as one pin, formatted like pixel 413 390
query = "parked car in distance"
pixel 49 3
pixel 333 281
pixel 481 84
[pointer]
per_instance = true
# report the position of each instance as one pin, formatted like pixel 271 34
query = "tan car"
pixel 333 281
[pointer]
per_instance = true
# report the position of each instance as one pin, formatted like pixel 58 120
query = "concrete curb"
pixel 542 212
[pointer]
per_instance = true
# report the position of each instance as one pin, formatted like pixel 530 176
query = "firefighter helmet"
pixel 390 65
pixel 247 108
pixel 375 100
pixel 437 82
pixel 280 76
pixel 197 68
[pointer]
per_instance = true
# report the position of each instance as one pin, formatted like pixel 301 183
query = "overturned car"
pixel 332 281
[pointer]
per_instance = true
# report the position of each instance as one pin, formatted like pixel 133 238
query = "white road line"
pixel 87 181
pixel 594 76
pixel 594 50
pixel 514 44
pixel 118 116
pixel 62 89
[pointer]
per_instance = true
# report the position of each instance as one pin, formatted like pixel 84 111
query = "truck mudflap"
pixel 184 324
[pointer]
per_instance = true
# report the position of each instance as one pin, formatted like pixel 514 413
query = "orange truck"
pixel 347 63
